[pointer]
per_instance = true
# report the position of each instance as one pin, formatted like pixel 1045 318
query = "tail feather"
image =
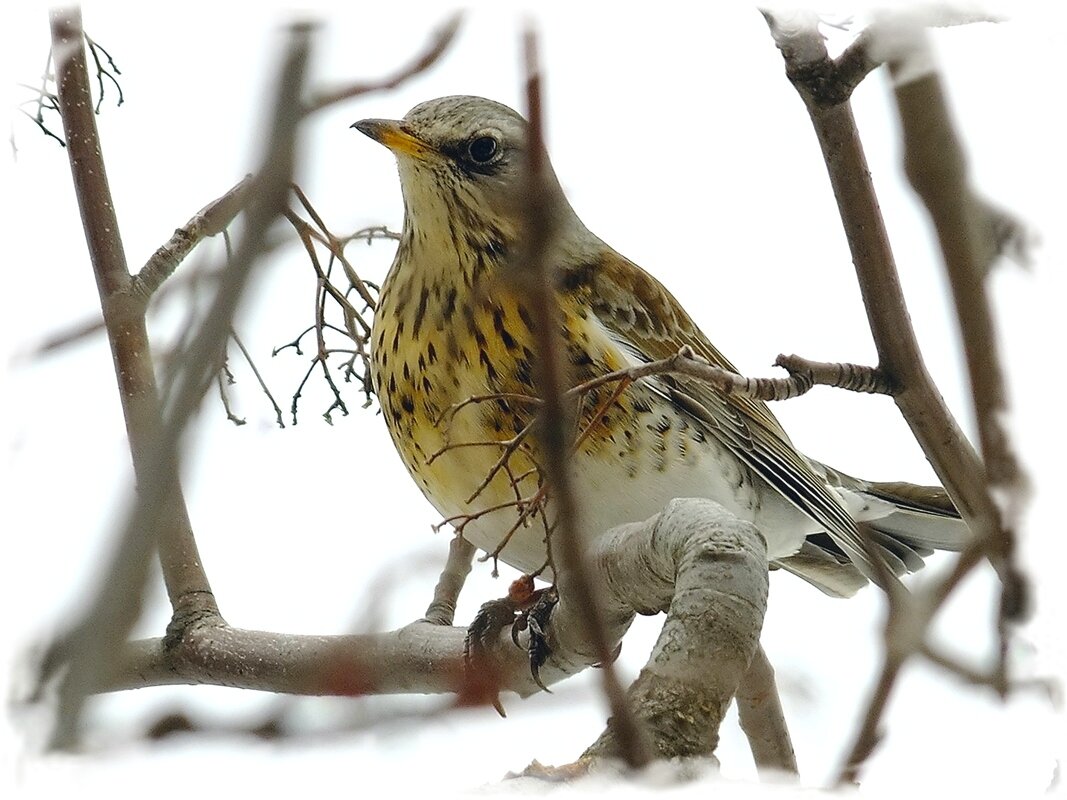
pixel 920 519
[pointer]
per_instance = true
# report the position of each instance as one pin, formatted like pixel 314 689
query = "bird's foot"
pixel 524 609
pixel 534 619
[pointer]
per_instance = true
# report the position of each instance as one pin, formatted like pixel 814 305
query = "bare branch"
pixel 102 72
pixel 900 360
pixel 159 517
pixel 713 586
pixel 759 709
pixel 255 371
pixel 934 162
pixel 223 378
pixel 442 611
pixel 211 220
pixel 45 100
pixel 936 167
pixel 555 420
pixel 694 560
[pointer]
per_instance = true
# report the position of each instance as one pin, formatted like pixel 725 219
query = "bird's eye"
pixel 482 149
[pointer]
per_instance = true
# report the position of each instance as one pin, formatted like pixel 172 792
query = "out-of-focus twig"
pixel 937 169
pixel 435 48
pixel 555 425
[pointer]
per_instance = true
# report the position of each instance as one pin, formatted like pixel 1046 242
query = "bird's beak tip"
pixel 368 127
pixel 392 134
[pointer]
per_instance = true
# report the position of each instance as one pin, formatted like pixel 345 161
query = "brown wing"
pixel 646 320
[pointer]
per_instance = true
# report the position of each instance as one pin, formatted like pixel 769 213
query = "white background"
pixel 679 141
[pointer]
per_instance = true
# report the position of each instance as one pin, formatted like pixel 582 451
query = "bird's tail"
pixel 906 522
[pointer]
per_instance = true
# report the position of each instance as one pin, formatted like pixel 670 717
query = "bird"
pixel 452 355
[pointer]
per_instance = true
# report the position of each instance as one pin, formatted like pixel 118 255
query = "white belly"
pixel 629 486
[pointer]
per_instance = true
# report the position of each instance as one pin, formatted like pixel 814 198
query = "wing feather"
pixel 650 323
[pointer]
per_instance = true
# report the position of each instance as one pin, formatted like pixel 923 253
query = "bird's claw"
pixel 534 620
pixel 524 609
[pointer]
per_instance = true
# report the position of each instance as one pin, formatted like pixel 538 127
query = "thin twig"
pixel 94 50
pixel 255 371
pixel 222 378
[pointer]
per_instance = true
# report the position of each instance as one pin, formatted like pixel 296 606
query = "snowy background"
pixel 679 141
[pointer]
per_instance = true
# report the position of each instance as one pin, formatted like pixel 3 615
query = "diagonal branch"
pixel 435 48
pixel 211 220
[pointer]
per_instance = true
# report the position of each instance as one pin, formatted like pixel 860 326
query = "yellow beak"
pixel 394 135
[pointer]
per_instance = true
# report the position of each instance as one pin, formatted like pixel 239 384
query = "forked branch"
pixel 935 161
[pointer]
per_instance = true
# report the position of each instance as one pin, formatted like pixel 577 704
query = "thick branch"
pixel 708 569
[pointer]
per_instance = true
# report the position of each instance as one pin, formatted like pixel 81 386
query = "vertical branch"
pixel 124 319
pixel 91 647
pixel 556 422
pixel 159 516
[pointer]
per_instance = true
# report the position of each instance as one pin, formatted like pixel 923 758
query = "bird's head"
pixel 462 164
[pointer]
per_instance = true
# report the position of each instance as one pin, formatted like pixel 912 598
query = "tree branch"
pixel 759 709
pixel 116 606
pixel 555 424
pixel 936 167
pixel 442 610
pixel 708 570
pixel 696 561
pixel 211 220
pixel 435 48
pixel 159 517
pixel 956 463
